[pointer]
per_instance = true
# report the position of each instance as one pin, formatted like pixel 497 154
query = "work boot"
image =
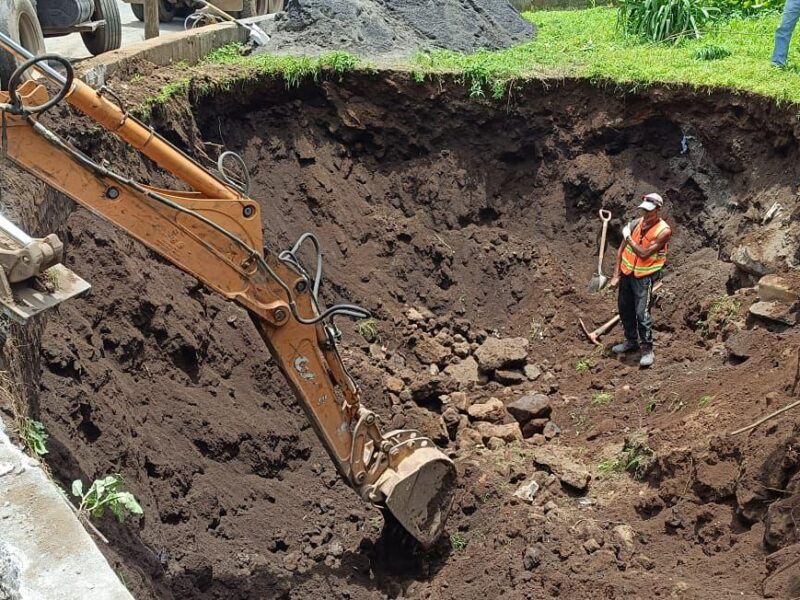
pixel 648 358
pixel 625 347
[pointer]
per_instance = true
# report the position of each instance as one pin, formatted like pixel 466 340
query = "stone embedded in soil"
pixel 569 473
pixel 460 401
pixel 625 537
pixel 508 433
pixel 743 344
pixel 534 427
pixel 532 372
pixel 591 545
pixel 780 289
pixel 749 261
pixel 497 353
pixel 508 377
pixel 452 419
pixel 532 406
pixel 533 557
pixel 491 410
pixel 778 312
pixel 551 430
pixel 430 352
pixel 395 384
pixel 463 372
pixel 716 482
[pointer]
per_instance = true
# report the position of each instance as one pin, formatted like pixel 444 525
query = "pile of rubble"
pixel 482 386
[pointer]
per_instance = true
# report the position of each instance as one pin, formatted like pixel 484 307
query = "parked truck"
pixel 29 22
pixel 169 9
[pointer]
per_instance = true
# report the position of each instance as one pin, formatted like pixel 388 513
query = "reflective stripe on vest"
pixel 642 267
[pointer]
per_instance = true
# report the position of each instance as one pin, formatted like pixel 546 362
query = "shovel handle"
pixel 606 218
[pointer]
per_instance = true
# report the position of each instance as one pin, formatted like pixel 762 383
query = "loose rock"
pixel 464 372
pixel 532 372
pixel 534 406
pixel 492 410
pixel 499 354
pixel 551 430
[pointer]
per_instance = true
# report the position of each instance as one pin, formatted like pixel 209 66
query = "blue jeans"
pixel 783 35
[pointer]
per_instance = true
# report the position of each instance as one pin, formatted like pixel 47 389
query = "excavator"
pixel 214 232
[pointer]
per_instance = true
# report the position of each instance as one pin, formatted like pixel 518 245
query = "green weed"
pixel 720 313
pixel 368 329
pixel 458 541
pixel 582 365
pixel 34 436
pixel 711 52
pixel 705 400
pixel 105 494
pixel 602 398
pixel 635 458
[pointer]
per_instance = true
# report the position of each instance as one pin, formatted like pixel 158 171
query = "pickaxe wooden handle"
pixel 594 336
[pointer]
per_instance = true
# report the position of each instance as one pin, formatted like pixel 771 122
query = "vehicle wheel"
pixel 249 9
pixel 18 20
pixel 105 38
pixel 138 11
pixel 166 11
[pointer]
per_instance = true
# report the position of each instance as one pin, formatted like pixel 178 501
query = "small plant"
pixel 368 330
pixel 705 400
pixel 711 52
pixel 137 77
pixel 458 541
pixel 105 493
pixel 720 312
pixel 34 435
pixel 580 421
pixel 635 458
pixel 536 331
pixel 50 279
pixel 602 398
pixel 582 365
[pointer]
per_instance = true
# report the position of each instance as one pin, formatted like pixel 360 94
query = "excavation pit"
pixel 454 220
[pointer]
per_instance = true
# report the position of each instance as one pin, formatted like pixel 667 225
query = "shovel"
pixel 258 36
pixel 599 280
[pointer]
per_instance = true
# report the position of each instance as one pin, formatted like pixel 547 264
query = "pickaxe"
pixel 594 336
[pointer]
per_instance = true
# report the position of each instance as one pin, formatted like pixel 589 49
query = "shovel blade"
pixel 419 493
pixel 597 283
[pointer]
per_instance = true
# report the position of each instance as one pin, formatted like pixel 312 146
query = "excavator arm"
pixel 214 233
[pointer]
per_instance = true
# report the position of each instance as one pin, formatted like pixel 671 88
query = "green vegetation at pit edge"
pixel 586 43
pixel 577 43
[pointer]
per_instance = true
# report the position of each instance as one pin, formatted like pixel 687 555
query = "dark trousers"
pixel 634 308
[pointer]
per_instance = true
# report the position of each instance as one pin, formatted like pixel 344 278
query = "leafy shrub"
pixel 711 52
pixel 664 20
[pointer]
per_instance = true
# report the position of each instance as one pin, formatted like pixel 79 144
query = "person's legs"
pixel 626 305
pixel 642 288
pixel 783 35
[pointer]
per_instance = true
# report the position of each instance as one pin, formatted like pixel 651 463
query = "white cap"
pixel 652 201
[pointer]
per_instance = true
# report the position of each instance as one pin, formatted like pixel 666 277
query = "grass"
pixel 585 43
pixel 705 400
pixel 582 365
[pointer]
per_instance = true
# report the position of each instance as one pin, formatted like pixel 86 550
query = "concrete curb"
pixel 189 46
pixel 45 552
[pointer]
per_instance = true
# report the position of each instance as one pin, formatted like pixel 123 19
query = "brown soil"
pixel 484 215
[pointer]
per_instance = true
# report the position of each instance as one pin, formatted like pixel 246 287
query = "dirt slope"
pixel 480 217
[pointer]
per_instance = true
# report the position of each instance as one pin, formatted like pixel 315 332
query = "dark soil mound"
pixel 398 27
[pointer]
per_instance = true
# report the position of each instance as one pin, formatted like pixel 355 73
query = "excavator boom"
pixel 214 232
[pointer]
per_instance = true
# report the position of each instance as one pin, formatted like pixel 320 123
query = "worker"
pixel 640 260
pixel 783 34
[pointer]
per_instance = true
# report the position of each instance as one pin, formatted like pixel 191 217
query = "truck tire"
pixel 166 11
pixel 105 38
pixel 18 20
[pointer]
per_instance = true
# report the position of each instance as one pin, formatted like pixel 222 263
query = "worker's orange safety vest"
pixel 642 267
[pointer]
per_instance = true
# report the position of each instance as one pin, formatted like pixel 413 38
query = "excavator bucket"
pixel 419 492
